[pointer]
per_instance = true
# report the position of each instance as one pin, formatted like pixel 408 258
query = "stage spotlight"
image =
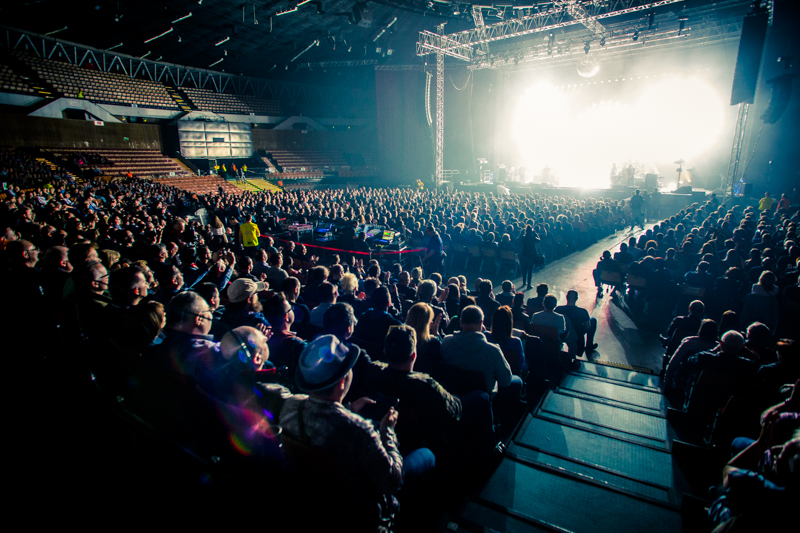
pixel 682 23
pixel 586 48
pixel 651 19
pixel 603 40
pixel 636 35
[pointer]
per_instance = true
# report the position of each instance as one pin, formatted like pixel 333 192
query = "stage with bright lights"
pixel 667 116
pixel 670 201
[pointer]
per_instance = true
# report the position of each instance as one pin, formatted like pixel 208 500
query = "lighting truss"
pixel 324 64
pixel 398 67
pixel 706 31
pixel 460 44
pixel 477 16
pixel 578 12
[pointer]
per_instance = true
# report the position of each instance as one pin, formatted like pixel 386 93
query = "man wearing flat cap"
pixel 325 372
pixel 367 457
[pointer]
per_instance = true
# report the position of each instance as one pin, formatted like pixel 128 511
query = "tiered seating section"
pixel 236 104
pixel 257 185
pixel 140 163
pixel 100 86
pixel 118 88
pixel 10 82
pixel 308 160
pixel 201 184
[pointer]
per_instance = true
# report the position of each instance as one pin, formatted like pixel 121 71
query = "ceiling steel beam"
pixel 707 31
pixel 580 14
pixel 460 44
pixel 323 64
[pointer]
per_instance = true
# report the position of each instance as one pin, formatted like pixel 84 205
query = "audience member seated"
pixel 486 301
pixel 585 326
pixel 507 296
pixel 244 307
pixel 429 347
pixel 469 349
pixel 367 458
pixel 188 349
pixel 548 318
pixel 285 346
pixel 682 327
pixel 327 297
pixel 536 304
pixel 501 335
pixel 675 375
pixel 375 323
pixel 606 264
pixel 521 318
pixel 428 413
pixel 762 305
pixel 760 482
pixel 730 361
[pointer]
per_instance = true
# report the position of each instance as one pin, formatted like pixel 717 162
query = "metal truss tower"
pixel 439 148
pixel 736 150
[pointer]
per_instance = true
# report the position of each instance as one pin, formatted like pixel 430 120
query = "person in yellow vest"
pixel 765 204
pixel 244 168
pixel 216 169
pixel 248 236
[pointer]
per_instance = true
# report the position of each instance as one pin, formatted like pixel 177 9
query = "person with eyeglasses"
pixel 23 287
pixel 188 348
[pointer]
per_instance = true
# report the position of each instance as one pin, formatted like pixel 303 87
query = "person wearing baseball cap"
pixel 244 308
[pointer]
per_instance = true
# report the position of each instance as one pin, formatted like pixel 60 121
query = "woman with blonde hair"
pixel 429 347
pixel 416 277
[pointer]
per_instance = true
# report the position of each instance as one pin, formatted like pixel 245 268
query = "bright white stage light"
pixel 678 118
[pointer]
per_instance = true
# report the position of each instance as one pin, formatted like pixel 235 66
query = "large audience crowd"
pixel 397 372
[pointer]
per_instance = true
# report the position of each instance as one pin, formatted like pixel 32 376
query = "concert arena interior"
pixel 402 265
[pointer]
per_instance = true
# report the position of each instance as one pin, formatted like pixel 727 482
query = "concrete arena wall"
pixel 354 141
pixel 27 131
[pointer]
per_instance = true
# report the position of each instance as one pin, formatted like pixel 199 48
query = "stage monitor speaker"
pixel 650 181
pixel 698 196
pixel 748 61
pixel 748 189
pixel 781 92
pixel 686 189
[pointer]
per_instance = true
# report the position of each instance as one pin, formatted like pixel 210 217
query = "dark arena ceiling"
pixel 271 38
